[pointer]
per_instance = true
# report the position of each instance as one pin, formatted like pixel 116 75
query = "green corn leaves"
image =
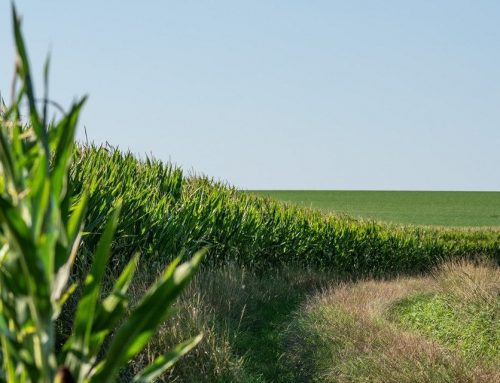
pixel 41 224
pixel 163 362
pixel 164 212
pixel 149 313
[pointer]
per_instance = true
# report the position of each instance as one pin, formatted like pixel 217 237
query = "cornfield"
pixel 165 212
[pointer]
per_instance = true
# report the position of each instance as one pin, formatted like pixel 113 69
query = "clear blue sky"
pixel 283 94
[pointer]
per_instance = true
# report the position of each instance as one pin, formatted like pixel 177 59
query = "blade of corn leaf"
pixel 165 361
pixel 10 167
pixel 63 273
pixel 76 218
pixel 25 74
pixel 106 311
pixel 84 317
pixel 40 194
pixel 45 90
pixel 142 323
pixel 111 310
pixel 66 255
pixel 62 300
pixel 21 234
pixel 64 149
pixel 4 329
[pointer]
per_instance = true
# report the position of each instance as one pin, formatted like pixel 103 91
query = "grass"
pixel 343 334
pixel 465 209
pixel 467 320
pixel 297 325
pixel 244 317
pixel 472 329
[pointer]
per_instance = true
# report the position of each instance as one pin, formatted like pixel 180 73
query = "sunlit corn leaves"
pixel 41 218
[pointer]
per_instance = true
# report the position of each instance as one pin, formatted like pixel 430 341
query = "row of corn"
pixel 165 212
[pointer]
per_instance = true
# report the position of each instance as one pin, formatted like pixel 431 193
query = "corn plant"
pixel 165 211
pixel 41 228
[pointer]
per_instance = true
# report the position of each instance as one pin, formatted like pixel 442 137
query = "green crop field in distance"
pixel 405 207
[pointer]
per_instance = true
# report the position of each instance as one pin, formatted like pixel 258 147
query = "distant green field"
pixel 407 207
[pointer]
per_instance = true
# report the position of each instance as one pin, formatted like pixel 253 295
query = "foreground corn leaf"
pixel 150 312
pixel 40 235
pixel 165 361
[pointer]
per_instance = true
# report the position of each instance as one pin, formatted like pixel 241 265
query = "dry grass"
pixel 240 314
pixel 342 334
pixel 304 326
pixel 198 310
pixel 370 299
pixel 469 282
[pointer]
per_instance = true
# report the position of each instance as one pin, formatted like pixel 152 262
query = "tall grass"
pixel 347 333
pixel 243 316
pixel 463 312
pixel 165 211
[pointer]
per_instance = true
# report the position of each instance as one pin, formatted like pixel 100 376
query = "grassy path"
pixel 390 331
pixel 262 336
pixel 304 326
